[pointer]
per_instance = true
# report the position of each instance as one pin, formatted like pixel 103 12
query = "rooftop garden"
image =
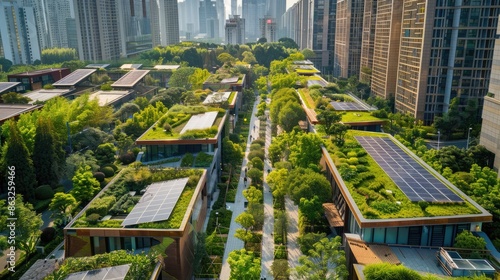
pixel 359 116
pixel 304 69
pixel 120 198
pixel 377 196
pixel 305 95
pixel 170 125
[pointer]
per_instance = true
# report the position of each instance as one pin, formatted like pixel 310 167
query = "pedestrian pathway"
pixel 293 233
pixel 268 228
pixel 234 243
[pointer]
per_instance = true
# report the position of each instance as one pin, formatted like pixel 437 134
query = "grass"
pixel 231 97
pixel 348 117
pixel 369 191
pixel 304 94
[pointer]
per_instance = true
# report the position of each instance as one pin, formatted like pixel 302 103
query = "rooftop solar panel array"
pixel 157 203
pixel 416 182
pixel 75 77
pixel 107 273
pixel 7 85
pixel 130 79
pixel 200 121
pixel 97 66
pixel 348 106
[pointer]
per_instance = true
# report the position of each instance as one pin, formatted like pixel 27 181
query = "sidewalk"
pixel 234 243
pixel 293 233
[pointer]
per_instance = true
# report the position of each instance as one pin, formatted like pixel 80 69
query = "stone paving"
pixel 293 233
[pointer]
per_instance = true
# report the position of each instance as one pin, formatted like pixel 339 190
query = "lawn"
pixel 304 94
pixel 349 117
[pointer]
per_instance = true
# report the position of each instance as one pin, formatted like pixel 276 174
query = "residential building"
pixel 37 79
pixel 57 12
pixel 384 70
pixel 40 21
pixel 71 33
pixel 164 22
pixel 221 18
pixel 368 40
pixel 268 29
pixel 253 10
pixel 276 9
pixel 490 129
pixel 348 37
pixel 234 8
pixel 19 33
pixel 97 30
pixel 235 30
pixel 323 35
pixel 446 51
pixel 134 19
pixel 209 23
pixel 189 21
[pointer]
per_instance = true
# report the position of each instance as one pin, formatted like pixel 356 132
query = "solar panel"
pixel 230 80
pixel 107 273
pixel 7 85
pixel 97 66
pixel 130 79
pixel 200 121
pixel 157 203
pixel 108 97
pixel 75 77
pixel 416 182
pixel 348 106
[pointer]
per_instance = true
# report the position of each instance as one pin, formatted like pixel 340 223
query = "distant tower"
pixel 253 10
pixel 235 30
pixel 209 23
pixel 234 7
pixel 268 28
pixel 57 11
pixel 164 22
pixel 221 16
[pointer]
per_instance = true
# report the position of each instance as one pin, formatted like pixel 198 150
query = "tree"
pixel 62 205
pixel 180 77
pixel 307 241
pixel 85 186
pixel 255 175
pixel 277 180
pixel 328 118
pixel 387 271
pixel 16 156
pixel 467 240
pixel 325 261
pixel 308 53
pixel 58 55
pixel 253 195
pixel 105 153
pixel 307 150
pixel 198 78
pixel 231 152
pixel 249 58
pixel 311 209
pixel 290 115
pixel 47 154
pixel 90 138
pixel 244 265
pixel 15 98
pixel 280 269
pixel 5 64
pixel 305 183
pixel 288 43
pixel 192 57
pixel 226 58
pixel 246 220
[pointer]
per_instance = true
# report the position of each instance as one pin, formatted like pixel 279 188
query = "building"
pixel 368 40
pixel 253 10
pixel 348 37
pixel 323 35
pixel 221 17
pixel 490 129
pixel 57 13
pixel 134 18
pixel 208 18
pixel 384 70
pixel 19 32
pixel 235 30
pixel 97 30
pixel 37 79
pixel 164 22
pixel 268 29
pixel 189 22
pixel 111 228
pixel 446 52
pixel 72 34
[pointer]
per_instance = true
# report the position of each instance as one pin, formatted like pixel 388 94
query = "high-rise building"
pixel 446 51
pixel 234 8
pixel 57 11
pixel 209 23
pixel 40 19
pixel 19 33
pixel 268 29
pixel 189 23
pixel 97 30
pixel 235 30
pixel 253 10
pixel 368 40
pixel 164 22
pixel 348 34
pixel 323 35
pixel 221 17
pixel 383 71
pixel 134 18
pixel 71 33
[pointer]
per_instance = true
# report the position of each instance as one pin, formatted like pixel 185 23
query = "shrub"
pixel 99 176
pixel 44 192
pixel 115 168
pixel 235 138
pixel 253 154
pixel 108 171
pixel 127 157
pixel 280 252
pixel 101 206
pixel 47 235
pixel 167 128
pixel 93 218
pixel 187 160
pixel 255 147
pixel 353 161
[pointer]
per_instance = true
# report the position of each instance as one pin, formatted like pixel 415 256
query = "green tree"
pixel 58 55
pixel 198 78
pixel 280 269
pixel 252 194
pixel 62 205
pixel 47 154
pixel 255 175
pixel 16 158
pixel 307 150
pixel 305 183
pixel 290 116
pixel 246 220
pixel 231 152
pixel 288 43
pixel 277 180
pixel 325 261
pixel 308 53
pixel 180 77
pixel 5 64
pixel 15 98
pixel 467 240
pixel 328 118
pixel 387 271
pixel 226 58
pixel 85 186
pixel 105 153
pixel 311 209
pixel 244 265
pixel 307 241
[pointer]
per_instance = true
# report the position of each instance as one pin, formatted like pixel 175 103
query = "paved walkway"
pixel 293 233
pixel 268 229
pixel 234 243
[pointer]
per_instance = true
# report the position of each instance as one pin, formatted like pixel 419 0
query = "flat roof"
pixel 75 77
pixel 106 273
pixel 303 62
pixel 166 67
pixel 97 66
pixel 4 86
pixel 8 111
pixel 217 97
pixel 157 203
pixel 45 94
pixel 230 80
pixel 370 253
pixel 130 79
pixel 200 121
pixel 37 72
pixel 108 97
pixel 131 66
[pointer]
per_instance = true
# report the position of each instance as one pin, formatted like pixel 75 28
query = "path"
pixel 293 233
pixel 234 243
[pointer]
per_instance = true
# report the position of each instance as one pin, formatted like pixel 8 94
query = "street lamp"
pixel 439 137
pixel 216 219
pixel 468 137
